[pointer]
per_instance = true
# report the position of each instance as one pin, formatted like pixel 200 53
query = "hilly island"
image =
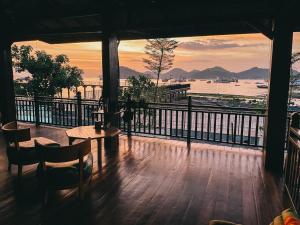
pixel 254 73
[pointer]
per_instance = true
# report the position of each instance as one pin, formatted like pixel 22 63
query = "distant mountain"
pixel 126 72
pixel 209 73
pixel 175 73
pixel 254 73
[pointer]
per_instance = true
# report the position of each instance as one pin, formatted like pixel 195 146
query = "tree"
pixel 48 74
pixel 161 55
pixel 295 76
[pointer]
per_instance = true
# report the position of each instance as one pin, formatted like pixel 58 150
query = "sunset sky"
pixel 233 52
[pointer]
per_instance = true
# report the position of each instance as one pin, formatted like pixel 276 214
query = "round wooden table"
pixel 84 132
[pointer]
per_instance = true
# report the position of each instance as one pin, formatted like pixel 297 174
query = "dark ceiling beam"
pixel 42 9
pixel 261 28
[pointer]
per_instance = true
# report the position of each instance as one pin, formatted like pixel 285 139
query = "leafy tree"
pixel 295 77
pixel 161 55
pixel 48 74
pixel 140 89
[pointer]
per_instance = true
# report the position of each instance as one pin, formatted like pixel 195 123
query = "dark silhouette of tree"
pixel 140 89
pixel 161 55
pixel 49 75
pixel 295 76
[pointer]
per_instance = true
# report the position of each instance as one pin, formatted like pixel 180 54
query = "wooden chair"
pixel 20 146
pixel 65 167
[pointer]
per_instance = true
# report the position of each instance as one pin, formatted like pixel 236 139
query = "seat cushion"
pixel 27 154
pixel 284 217
pixel 65 175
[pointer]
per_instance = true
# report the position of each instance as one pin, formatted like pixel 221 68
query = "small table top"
pixel 84 132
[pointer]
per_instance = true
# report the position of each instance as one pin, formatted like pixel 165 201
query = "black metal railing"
pixel 66 112
pixel 239 126
pixel 191 122
pixel 292 161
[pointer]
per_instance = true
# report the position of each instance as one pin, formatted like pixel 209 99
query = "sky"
pixel 232 52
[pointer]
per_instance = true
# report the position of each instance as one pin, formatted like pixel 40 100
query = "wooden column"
pixel 111 77
pixel 7 93
pixel 111 86
pixel 275 126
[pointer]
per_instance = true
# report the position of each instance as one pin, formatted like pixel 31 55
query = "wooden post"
pixel 7 92
pixel 79 109
pixel 128 115
pixel 111 81
pixel 36 109
pixel 189 120
pixel 275 127
pixel 110 68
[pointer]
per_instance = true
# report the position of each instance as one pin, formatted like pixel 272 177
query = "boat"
pixel 209 81
pixel 226 80
pixel 165 80
pixel 237 85
pixel 191 80
pixel 262 86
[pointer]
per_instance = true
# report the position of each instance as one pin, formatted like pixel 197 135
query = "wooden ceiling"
pixel 58 21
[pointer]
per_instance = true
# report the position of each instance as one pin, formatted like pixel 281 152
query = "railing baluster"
pixel 176 123
pixel 208 125
pixel 182 122
pixel 160 120
pixel 228 127
pixel 242 130
pixel 249 130
pixel 235 128
pixel 256 130
pixel 166 121
pixel 215 125
pixel 154 122
pixel 202 125
pixel 139 119
pixel 221 128
pixel 196 124
pixel 171 122
pixel 144 118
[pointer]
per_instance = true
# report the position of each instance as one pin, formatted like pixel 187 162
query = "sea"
pixel 242 87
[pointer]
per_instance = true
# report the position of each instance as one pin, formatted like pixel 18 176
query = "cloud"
pixel 212 43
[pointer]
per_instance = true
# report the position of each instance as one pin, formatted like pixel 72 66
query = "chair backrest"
pixel 60 154
pixel 13 134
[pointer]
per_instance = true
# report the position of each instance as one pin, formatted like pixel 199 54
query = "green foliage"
pixel 294 78
pixel 140 89
pixel 20 88
pixel 48 74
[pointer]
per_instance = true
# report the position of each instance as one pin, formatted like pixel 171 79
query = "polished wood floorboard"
pixel 150 181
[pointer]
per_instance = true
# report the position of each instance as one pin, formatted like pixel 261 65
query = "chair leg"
pixel 19 172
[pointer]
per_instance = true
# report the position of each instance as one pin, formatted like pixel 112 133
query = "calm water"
pixel 243 87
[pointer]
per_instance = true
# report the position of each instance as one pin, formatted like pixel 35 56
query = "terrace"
pixel 152 181
pixel 233 165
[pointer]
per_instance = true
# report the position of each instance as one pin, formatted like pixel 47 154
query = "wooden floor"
pixel 150 181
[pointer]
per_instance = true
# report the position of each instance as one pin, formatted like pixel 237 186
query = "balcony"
pixel 151 181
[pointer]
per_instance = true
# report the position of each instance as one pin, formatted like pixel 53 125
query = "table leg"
pixel 99 143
